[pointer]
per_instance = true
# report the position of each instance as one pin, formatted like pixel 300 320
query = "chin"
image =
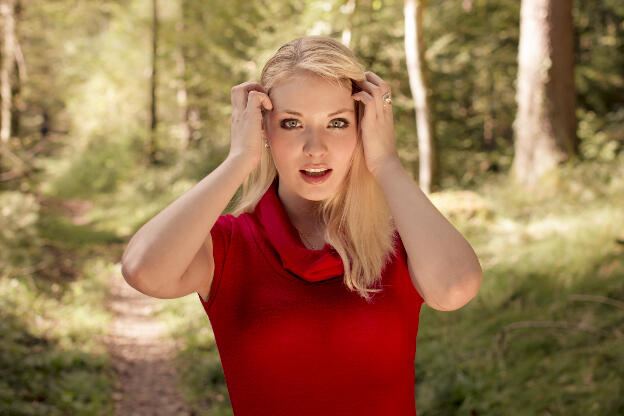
pixel 318 192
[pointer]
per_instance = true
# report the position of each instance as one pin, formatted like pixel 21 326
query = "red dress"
pixel 293 340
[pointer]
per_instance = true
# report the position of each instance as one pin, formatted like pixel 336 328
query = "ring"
pixel 387 98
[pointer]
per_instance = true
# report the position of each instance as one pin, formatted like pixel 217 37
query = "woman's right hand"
pixel 246 130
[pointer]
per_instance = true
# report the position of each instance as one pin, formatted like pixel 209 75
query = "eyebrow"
pixel 344 110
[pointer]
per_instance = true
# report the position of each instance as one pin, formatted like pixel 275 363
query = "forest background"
pixel 112 109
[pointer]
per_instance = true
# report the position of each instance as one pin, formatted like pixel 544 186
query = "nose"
pixel 314 144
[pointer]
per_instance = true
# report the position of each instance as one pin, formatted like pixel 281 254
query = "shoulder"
pixel 229 226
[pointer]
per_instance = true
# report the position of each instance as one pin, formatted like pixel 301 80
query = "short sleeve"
pixel 401 253
pixel 221 233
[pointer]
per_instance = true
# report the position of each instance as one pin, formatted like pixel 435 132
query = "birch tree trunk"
pixel 545 125
pixel 8 61
pixel 348 9
pixel 182 95
pixel 414 52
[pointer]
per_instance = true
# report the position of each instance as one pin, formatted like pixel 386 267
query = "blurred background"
pixel 509 114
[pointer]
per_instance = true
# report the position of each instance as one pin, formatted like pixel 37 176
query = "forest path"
pixel 140 350
pixel 141 354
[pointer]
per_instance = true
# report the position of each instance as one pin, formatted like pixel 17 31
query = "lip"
pixel 315 167
pixel 315 180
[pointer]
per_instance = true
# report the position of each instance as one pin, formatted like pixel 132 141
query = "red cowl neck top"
pixel 293 340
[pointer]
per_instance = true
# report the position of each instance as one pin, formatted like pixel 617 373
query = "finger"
pixel 239 93
pixel 377 80
pixel 368 86
pixel 259 99
pixel 368 101
pixel 374 91
pixel 380 91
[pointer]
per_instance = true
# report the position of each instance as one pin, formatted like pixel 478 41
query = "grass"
pixel 543 336
pixel 52 358
pixel 52 362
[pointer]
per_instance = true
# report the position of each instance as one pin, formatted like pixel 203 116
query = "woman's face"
pixel 313 123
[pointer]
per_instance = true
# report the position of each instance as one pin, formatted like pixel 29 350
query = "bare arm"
pixel 162 249
pixel 171 255
pixel 443 266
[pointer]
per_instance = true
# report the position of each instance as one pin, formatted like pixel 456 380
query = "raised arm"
pixel 162 249
pixel 171 255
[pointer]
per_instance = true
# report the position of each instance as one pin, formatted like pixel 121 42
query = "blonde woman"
pixel 314 283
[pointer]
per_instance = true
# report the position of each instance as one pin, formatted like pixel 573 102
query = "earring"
pixel 266 144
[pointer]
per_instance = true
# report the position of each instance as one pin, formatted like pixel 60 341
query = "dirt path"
pixel 140 350
pixel 141 356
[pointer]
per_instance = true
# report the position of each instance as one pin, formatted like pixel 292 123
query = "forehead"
pixel 309 93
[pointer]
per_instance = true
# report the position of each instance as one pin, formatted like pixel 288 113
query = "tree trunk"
pixel 182 96
pixel 8 61
pixel 348 9
pixel 414 52
pixel 545 125
pixel 151 140
pixel 17 102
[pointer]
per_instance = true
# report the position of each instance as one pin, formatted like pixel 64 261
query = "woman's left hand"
pixel 377 122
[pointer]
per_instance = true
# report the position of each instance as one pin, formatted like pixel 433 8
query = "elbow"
pixel 130 269
pixel 129 274
pixel 461 292
pixel 131 263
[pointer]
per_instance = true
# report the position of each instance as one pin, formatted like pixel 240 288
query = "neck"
pixel 302 213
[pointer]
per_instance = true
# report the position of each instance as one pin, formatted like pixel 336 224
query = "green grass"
pixel 541 337
pixel 52 362
pixel 52 358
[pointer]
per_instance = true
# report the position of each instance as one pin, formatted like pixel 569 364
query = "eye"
pixel 291 123
pixel 343 124
pixel 287 126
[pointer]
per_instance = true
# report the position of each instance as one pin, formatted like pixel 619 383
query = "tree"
pixel 545 125
pixel 151 139
pixel 8 61
pixel 414 52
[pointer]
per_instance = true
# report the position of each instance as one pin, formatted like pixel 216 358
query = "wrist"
pixel 246 162
pixel 386 166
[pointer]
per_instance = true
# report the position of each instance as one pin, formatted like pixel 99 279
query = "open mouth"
pixel 315 175
pixel 315 172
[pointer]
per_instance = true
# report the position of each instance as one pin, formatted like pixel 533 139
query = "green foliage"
pixel 538 255
pixel 601 138
pixel 97 169
pixel 52 361
pixel 19 213
pixel 198 362
pixel 82 112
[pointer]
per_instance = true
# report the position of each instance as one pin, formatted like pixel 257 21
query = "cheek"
pixel 283 151
pixel 349 145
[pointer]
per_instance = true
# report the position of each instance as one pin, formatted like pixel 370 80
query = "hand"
pixel 247 130
pixel 377 124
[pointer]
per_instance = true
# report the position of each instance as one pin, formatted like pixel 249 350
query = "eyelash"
pixel 345 123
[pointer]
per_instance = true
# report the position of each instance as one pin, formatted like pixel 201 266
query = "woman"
pixel 314 284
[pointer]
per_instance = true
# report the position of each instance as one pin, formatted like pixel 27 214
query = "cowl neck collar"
pixel 309 265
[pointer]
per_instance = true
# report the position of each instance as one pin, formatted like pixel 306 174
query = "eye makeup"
pixel 344 125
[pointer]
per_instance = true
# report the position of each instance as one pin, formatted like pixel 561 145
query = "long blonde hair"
pixel 358 223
